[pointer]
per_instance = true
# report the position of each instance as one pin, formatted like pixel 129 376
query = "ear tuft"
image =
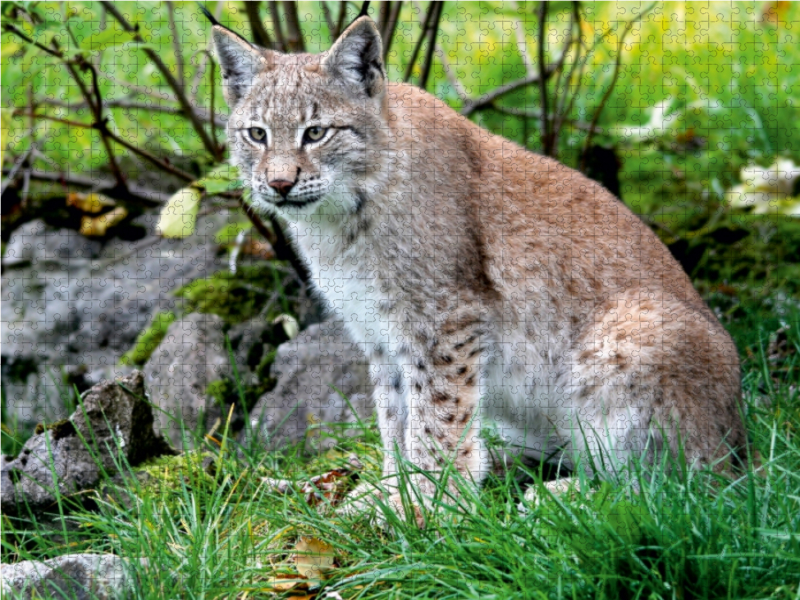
pixel 356 58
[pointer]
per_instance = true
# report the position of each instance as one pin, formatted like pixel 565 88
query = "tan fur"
pixel 487 284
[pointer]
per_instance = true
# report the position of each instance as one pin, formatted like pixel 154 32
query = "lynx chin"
pixel 487 285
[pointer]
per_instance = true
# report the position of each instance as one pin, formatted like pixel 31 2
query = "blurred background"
pixel 121 221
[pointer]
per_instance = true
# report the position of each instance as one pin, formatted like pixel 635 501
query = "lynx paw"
pixel 362 501
pixel 534 495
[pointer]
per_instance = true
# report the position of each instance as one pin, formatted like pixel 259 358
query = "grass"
pixel 223 533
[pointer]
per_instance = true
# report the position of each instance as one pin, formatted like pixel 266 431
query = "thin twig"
pixel 176 46
pixel 105 186
pixel 127 105
pixel 326 12
pixel 342 17
pixel 487 99
pixel 276 26
pixel 547 137
pixel 610 89
pixel 208 143
pixel 259 32
pixel 100 119
pixel 294 34
pixel 522 43
pixel 12 172
pixel 212 87
pixel 18 32
pixel 536 114
pixel 387 34
pixel 418 46
pixel 433 29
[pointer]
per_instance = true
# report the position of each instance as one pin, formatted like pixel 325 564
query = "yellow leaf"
pixel 178 217
pixel 97 226
pixel 281 585
pixel 314 558
pixel 91 203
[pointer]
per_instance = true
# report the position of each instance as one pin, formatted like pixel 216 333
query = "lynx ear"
pixel 240 62
pixel 356 58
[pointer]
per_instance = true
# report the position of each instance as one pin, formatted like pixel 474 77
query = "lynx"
pixel 486 284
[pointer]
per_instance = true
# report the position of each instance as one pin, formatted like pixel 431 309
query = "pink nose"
pixel 282 186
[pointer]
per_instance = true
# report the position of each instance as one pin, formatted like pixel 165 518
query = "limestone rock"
pixel 306 368
pixel 114 420
pixel 192 355
pixel 79 576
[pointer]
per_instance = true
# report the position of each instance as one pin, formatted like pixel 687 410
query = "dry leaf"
pixel 97 226
pixel 314 558
pixel 177 219
pixel 331 486
pixel 90 203
pixel 279 584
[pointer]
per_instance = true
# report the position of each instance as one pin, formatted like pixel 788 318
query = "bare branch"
pixel 342 17
pixel 487 99
pixel 387 33
pixel 522 43
pixel 547 137
pixel 127 105
pixel 108 187
pixel 418 46
pixel 208 143
pixel 294 34
pixel 614 77
pixel 260 35
pixel 433 29
pixel 276 25
pixel 176 45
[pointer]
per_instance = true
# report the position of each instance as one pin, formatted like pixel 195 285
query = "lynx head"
pixel 306 129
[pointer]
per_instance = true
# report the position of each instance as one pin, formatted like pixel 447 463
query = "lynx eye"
pixel 313 134
pixel 257 134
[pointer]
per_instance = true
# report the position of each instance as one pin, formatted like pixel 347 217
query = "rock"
pixel 113 418
pixel 79 576
pixel 192 355
pixel 71 306
pixel 305 369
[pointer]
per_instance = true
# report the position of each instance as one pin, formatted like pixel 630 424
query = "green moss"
pixel 148 340
pixel 236 297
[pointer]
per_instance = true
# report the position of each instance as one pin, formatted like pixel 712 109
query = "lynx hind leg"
pixel 646 373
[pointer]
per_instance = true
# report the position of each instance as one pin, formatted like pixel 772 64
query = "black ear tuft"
pixel 208 15
pixel 364 10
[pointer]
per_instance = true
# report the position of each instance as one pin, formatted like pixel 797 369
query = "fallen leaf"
pixel 97 226
pixel 314 558
pixel 178 216
pixel 330 487
pixel 90 203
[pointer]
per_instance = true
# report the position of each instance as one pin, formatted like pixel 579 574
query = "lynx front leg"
pixel 443 402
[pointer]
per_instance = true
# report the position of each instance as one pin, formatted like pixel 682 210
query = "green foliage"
pixel 236 297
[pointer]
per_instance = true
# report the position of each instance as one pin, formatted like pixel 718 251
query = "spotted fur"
pixel 484 282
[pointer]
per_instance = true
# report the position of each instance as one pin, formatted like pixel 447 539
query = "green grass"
pixel 222 533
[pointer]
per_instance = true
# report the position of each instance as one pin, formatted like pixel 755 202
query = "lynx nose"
pixel 282 186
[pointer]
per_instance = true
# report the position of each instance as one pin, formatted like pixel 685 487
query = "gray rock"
pixel 114 420
pixel 78 576
pixel 192 355
pixel 71 304
pixel 305 368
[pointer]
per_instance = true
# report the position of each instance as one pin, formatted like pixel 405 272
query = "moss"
pixel 236 297
pixel 148 340
pixel 61 429
pixel 171 473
